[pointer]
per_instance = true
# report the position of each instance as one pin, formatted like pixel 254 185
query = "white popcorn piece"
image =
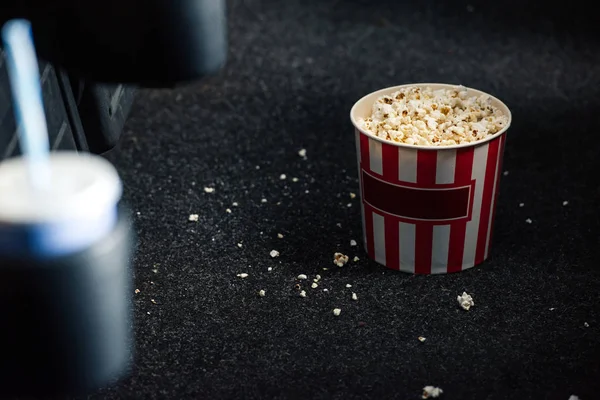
pixel 521 204
pixel 235 204
pixel 270 269
pixel 352 195
pixel 431 392
pixel 421 339
pixel 349 205
pixel 348 285
pixel 528 220
pixel 263 200
pixel 427 117
pixel 314 285
pixel 243 275
pixel 240 245
pixel 565 203
pixel 193 217
pixel 505 173
pixel 302 153
pixel 274 253
pixel 586 324
pixel 282 177
pixel 340 259
pixel 209 189
pixel 317 278
pixel 354 296
pixel 294 179
pixel 465 301
pixel 302 293
pixel 337 312
pixel 136 291
pixel 302 276
pixel 356 259
pixel 339 225
pixel 262 293
pixel 228 210
pixel 280 236
pixel 326 290
pixel 353 242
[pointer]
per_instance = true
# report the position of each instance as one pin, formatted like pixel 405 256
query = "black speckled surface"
pixel 293 74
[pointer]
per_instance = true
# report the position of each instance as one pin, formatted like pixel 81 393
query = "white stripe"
pixel 407 172
pixel 407 247
pixel 407 165
pixel 478 174
pixel 379 237
pixel 446 164
pixel 360 192
pixel 440 247
pixel 493 203
pixel 375 156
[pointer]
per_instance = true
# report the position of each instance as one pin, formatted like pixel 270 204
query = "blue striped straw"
pixel 24 76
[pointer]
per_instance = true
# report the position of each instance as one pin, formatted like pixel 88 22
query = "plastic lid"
pixel 77 209
pixel 80 186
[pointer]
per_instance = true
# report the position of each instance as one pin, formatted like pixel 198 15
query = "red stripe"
pixel 498 176
pixel 364 152
pixel 365 163
pixel 426 168
pixel 486 201
pixel 369 231
pixel 389 155
pixel 458 230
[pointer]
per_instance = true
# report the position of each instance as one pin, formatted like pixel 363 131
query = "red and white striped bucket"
pixel 427 210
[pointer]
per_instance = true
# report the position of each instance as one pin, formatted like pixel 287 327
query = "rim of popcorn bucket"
pixel 373 96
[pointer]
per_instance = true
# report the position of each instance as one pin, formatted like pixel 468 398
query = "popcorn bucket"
pixel 427 210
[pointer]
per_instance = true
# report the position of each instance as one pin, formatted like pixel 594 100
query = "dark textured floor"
pixel 294 72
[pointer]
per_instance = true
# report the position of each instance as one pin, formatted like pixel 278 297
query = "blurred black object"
pixel 66 321
pixel 81 115
pixel 93 53
pixel 150 43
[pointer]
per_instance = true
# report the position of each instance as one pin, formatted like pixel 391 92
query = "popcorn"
pixel 427 117
pixel 340 259
pixel 193 217
pixel 431 391
pixel 337 312
pixel 465 301
pixel 274 253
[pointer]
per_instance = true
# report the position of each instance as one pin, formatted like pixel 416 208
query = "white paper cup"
pixel 427 210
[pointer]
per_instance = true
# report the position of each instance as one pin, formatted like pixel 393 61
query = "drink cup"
pixel 64 278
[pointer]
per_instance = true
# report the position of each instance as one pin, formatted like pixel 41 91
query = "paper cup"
pixel 427 210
